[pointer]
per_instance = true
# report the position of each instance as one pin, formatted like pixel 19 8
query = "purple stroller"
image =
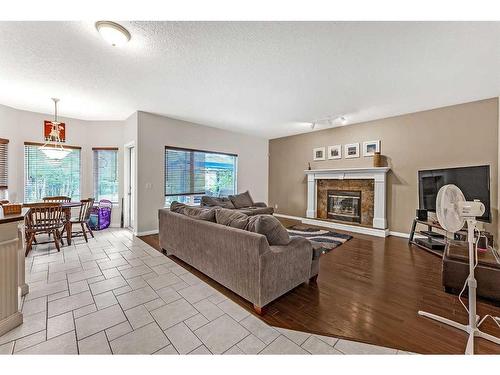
pixel 100 215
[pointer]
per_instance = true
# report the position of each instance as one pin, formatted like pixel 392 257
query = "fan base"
pixel 472 331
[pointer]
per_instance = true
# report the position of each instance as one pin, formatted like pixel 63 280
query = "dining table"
pixel 67 206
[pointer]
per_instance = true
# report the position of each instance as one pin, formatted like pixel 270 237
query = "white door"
pixel 131 188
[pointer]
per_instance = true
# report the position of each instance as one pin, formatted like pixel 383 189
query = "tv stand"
pixel 432 242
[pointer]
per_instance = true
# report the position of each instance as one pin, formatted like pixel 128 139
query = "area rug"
pixel 322 241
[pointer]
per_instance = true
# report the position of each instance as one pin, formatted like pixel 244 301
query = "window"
pixel 106 174
pixel 45 177
pixel 4 163
pixel 189 174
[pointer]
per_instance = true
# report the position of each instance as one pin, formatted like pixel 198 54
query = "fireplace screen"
pixel 344 205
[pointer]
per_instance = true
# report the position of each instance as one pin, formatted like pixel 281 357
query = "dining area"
pixel 60 219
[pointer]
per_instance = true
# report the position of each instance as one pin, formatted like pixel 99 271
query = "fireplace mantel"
pixel 378 174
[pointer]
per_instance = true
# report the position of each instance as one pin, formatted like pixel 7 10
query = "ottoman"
pixel 456 271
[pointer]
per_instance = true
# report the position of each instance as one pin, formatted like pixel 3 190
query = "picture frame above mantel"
pixel 370 148
pixel 319 153
pixel 334 152
pixel 351 150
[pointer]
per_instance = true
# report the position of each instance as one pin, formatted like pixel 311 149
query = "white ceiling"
pixel 266 79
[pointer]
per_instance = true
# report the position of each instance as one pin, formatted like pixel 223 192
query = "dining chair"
pixel 83 219
pixel 44 218
pixel 57 199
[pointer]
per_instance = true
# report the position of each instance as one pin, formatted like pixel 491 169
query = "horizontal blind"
pixel 183 173
pixel 4 164
pixel 195 172
pixel 45 177
pixel 106 173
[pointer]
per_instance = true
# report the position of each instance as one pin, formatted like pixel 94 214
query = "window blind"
pixel 4 167
pixel 45 177
pixel 106 173
pixel 190 174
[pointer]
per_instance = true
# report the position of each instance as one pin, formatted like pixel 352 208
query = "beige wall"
pixel 21 126
pixel 459 135
pixel 155 132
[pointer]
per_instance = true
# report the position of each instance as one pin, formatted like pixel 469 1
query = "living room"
pixel 261 186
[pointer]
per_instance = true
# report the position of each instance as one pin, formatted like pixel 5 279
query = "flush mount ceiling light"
pixel 113 33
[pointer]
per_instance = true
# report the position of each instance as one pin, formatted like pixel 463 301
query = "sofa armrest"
pixel 259 204
pixel 282 268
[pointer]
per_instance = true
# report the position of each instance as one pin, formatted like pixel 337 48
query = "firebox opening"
pixel 344 205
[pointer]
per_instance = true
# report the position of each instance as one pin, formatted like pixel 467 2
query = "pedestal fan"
pixel 452 212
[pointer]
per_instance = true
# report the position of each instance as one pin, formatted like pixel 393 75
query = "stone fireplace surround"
pixel 317 180
pixel 365 186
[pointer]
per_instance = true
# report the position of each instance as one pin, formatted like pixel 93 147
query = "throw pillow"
pixel 177 207
pixel 216 202
pixel 231 218
pixel 270 227
pixel 242 200
pixel 198 213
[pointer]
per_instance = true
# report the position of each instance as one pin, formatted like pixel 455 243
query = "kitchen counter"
pixel 12 261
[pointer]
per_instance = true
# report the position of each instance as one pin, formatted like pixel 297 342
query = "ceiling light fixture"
pixel 113 33
pixel 53 147
pixel 330 121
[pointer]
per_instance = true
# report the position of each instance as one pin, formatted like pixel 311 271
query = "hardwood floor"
pixel 369 290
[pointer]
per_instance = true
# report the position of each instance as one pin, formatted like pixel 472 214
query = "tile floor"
pixel 118 295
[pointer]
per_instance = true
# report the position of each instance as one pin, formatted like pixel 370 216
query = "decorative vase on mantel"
pixel 377 160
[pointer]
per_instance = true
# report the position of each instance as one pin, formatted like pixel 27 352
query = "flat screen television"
pixel 473 181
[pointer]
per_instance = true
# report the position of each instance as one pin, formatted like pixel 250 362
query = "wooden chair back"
pixel 58 199
pixel 85 209
pixel 44 217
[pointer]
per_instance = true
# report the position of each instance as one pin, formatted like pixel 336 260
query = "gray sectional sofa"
pixel 241 260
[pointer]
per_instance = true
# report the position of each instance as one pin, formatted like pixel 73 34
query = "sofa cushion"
pixel 250 211
pixel 231 218
pixel 270 227
pixel 242 200
pixel 198 213
pixel 216 202
pixel 177 207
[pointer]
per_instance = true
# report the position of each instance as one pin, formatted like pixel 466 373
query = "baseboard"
pixel 146 233
pixel 404 235
pixel 288 217
pixel 369 231
pixel 348 228
pixel 399 234
pixel 11 322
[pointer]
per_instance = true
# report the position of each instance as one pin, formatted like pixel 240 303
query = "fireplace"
pixel 372 182
pixel 344 205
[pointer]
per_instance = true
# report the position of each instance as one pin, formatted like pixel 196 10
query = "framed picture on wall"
pixel 351 150
pixel 319 153
pixel 335 152
pixel 370 148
